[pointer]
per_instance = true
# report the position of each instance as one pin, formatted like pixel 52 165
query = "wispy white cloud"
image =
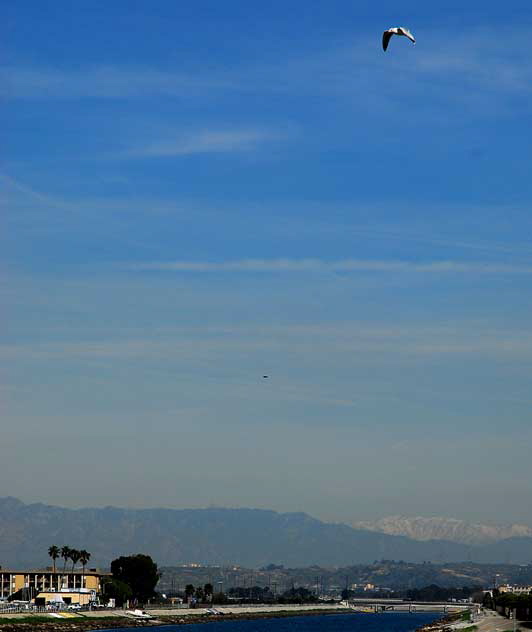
pixel 204 141
pixel 479 57
pixel 483 56
pixel 345 265
pixel 104 82
pixel 452 237
pixel 199 346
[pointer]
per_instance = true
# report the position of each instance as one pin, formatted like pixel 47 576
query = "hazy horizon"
pixel 197 195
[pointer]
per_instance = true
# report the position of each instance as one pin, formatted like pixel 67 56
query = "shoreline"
pixel 82 624
pixel 86 623
pixel 440 624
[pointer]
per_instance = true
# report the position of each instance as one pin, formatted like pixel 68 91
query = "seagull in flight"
pixel 396 30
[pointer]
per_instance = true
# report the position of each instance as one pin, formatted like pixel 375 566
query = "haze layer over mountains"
pixel 248 537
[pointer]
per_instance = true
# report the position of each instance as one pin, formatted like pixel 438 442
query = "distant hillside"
pixel 249 537
pixel 451 529
pixel 385 574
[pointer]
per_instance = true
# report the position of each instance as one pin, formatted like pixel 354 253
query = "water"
pixel 385 622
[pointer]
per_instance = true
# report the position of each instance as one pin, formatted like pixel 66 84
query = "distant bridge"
pixel 399 605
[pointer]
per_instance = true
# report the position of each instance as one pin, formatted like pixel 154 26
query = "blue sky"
pixel 197 194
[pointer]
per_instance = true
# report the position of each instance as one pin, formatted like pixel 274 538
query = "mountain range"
pixel 451 529
pixel 247 537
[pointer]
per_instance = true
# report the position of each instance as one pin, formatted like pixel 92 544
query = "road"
pixel 488 621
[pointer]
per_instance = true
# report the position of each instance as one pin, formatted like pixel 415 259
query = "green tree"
pixel 207 591
pixel 298 595
pixel 199 594
pixel 65 554
pixel 53 552
pixel 117 590
pixel 139 572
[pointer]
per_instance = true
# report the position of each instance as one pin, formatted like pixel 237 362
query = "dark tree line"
pixel 437 593
pixel 251 594
pixel 508 603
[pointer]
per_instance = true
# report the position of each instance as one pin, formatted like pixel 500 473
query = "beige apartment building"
pixel 46 586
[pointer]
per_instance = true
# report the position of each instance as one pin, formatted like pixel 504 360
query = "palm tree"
pixel 75 556
pixel 65 554
pixel 53 552
pixel 84 557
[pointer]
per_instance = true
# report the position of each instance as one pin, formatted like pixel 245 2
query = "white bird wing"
pixel 386 36
pixel 407 33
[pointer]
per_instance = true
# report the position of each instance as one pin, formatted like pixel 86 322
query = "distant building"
pixel 516 590
pixel 43 587
pixel 363 587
